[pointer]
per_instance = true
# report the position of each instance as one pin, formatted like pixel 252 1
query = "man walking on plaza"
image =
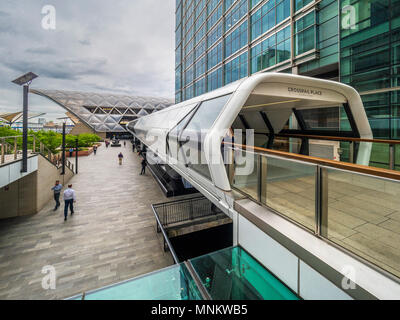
pixel 120 157
pixel 57 190
pixel 95 150
pixel 144 164
pixel 69 199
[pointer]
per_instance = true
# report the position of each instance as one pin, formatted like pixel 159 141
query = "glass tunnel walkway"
pixel 228 274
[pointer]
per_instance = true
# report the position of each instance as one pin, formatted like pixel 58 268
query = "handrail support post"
pixel 391 156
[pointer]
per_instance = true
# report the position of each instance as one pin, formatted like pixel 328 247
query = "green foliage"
pixel 6 131
pixel 52 140
pixel 84 140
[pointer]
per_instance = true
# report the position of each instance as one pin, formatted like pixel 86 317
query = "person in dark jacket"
pixel 144 164
pixel 120 157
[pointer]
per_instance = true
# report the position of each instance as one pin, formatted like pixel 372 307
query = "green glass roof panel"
pixel 172 283
pixel 233 274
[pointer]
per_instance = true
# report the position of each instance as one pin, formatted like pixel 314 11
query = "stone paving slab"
pixel 111 237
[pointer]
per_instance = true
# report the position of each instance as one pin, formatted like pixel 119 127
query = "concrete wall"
pixel 30 194
pixel 19 198
pixel 11 171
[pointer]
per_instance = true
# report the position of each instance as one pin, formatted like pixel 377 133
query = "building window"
pixel 254 3
pixel 214 35
pixel 236 39
pixel 212 5
pixel 305 33
pixel 271 51
pixel 200 49
pixel 213 18
pixel 178 78
pixel 283 50
pixel 214 56
pixel 214 80
pixel 189 92
pixel 189 60
pixel 236 69
pixel 178 35
pixel 298 4
pixel 178 55
pixel 237 12
pixel 200 87
pixel 268 16
pixel 189 76
pixel 178 97
pixel 200 66
pixel 200 34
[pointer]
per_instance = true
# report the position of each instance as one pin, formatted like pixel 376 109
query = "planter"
pixel 83 153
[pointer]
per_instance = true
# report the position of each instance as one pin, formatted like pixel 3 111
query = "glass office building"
pixel 218 42
pixel 353 41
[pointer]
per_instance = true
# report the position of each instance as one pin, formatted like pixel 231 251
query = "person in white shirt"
pixel 69 199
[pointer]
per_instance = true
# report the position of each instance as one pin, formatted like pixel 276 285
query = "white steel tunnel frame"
pixel 298 92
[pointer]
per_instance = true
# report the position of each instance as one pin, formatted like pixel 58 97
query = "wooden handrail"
pixel 345 139
pixel 379 172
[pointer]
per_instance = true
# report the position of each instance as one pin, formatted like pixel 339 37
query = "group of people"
pixel 68 195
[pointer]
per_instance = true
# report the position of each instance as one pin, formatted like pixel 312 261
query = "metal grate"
pixel 184 210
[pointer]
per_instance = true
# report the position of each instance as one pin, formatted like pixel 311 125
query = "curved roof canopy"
pixel 12 117
pixel 104 112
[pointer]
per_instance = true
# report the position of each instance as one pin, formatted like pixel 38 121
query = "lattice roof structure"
pixel 105 112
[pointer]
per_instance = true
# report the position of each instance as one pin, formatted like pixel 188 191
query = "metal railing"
pixel 352 206
pixel 184 210
pixel 383 150
pixel 11 150
pixel 173 212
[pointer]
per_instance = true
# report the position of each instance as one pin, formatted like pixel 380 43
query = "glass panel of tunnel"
pixel 192 136
pixel 232 274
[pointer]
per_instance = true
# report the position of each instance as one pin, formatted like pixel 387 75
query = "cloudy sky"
pixel 116 46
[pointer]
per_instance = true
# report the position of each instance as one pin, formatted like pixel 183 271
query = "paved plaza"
pixel 111 237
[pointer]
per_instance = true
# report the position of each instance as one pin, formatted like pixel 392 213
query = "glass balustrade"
pixel 358 212
pixel 362 214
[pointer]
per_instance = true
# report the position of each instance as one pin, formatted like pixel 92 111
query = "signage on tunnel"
pixel 306 91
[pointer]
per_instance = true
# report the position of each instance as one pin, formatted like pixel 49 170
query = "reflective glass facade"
pixel 370 61
pixel 221 41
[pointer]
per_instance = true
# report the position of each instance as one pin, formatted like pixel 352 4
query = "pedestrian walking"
pixel 94 150
pixel 124 144
pixel 133 147
pixel 120 157
pixel 71 150
pixel 144 164
pixel 57 190
pixel 69 199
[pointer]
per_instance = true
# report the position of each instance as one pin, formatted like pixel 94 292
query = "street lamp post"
pixel 25 81
pixel 63 149
pixel 76 155
pixel 63 143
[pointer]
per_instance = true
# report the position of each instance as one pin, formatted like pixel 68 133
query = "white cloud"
pixel 124 46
